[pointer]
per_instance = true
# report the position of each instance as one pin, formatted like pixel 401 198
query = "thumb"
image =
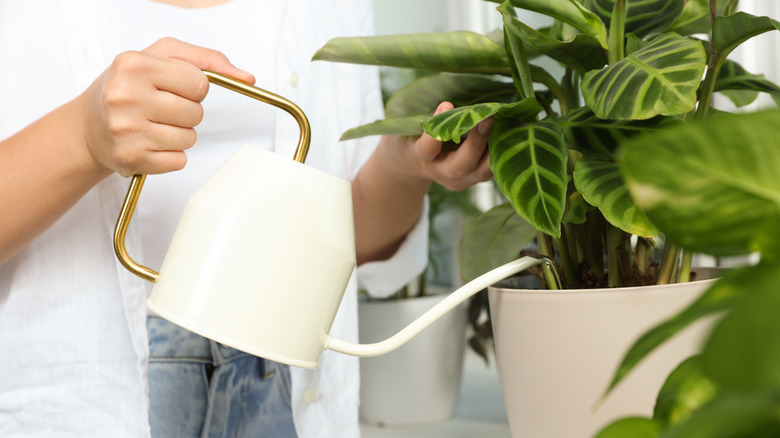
pixel 201 57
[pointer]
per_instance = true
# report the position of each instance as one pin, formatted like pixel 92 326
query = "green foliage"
pixel 623 142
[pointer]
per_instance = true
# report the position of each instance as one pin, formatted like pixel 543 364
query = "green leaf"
pixel 571 12
pixel 731 31
pixel 515 52
pixel 602 185
pixel 643 17
pixel 581 53
pixel 742 353
pixel 407 126
pixel 695 17
pixel 455 123
pixel 491 240
pixel 733 77
pixel 684 391
pixel 660 78
pixel 712 186
pixel 576 209
pixel 599 138
pixel 459 52
pixel 529 164
pixel 423 95
pixel 718 298
pixel 732 415
pixel 634 427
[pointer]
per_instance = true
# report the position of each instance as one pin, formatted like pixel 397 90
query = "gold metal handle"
pixel 137 182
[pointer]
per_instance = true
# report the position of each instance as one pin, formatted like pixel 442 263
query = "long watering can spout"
pixel 444 306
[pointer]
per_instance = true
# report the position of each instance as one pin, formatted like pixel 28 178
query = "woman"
pixel 73 325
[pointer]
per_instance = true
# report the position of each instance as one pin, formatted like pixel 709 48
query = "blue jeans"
pixel 200 388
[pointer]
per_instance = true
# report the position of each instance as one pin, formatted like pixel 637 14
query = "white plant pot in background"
pixel 558 350
pixel 419 383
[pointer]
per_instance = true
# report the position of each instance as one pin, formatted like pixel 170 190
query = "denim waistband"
pixel 169 341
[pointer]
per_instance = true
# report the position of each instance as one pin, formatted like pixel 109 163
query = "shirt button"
pixel 310 396
pixel 294 80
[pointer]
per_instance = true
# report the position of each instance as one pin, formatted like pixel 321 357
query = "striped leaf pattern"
pixel 516 52
pixel 454 124
pixel 571 12
pixel 406 126
pixel 713 186
pixel 695 17
pixel 660 78
pixel 643 17
pixel 529 164
pixel 581 53
pixel 733 76
pixel 423 95
pixel 733 30
pixel 599 138
pixel 602 185
pixel 460 52
pixel 492 239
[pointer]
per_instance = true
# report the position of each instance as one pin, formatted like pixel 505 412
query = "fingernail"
pixel 484 126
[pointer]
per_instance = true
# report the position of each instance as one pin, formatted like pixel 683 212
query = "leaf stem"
pixel 668 262
pixel 685 267
pixel 617 32
pixel 615 239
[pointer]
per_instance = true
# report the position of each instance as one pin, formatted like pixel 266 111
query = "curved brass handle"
pixel 137 183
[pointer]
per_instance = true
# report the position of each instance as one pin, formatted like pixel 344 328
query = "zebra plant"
pixel 622 142
pixel 564 99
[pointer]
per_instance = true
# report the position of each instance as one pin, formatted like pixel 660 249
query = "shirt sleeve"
pixel 383 278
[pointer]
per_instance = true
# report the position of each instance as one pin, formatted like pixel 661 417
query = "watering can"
pixel 263 253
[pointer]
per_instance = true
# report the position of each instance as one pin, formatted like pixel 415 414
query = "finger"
pixel 162 162
pixel 160 137
pixel 201 57
pixel 428 147
pixel 172 109
pixel 469 155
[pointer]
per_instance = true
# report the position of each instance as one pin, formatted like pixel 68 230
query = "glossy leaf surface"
pixel 492 239
pixel 529 164
pixel 660 78
pixel 713 186
pixel 582 53
pixel 742 352
pixel 643 17
pixel 410 125
pixel 685 390
pixel 602 185
pixel 571 12
pixel 599 138
pixel 458 51
pixel 423 95
pixel 454 124
pixel 733 30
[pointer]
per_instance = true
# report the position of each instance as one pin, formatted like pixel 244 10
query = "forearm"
pixel 387 204
pixel 46 170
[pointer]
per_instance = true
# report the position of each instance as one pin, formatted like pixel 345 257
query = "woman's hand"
pixel 141 112
pixel 426 158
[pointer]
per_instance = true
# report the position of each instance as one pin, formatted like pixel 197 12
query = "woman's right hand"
pixel 140 114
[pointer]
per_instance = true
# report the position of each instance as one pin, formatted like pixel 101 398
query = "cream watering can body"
pixel 263 253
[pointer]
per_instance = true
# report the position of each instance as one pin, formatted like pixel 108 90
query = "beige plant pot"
pixel 558 350
pixel 418 383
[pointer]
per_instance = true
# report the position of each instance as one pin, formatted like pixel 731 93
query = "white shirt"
pixel 72 320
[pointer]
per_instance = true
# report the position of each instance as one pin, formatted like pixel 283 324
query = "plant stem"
pixel 594 250
pixel 685 267
pixel 615 239
pixel 617 33
pixel 668 262
pixel 544 244
pixel 562 243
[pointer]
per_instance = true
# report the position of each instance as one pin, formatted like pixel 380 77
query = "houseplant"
pixel 629 68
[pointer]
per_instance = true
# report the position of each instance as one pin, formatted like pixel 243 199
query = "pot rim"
pixel 712 274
